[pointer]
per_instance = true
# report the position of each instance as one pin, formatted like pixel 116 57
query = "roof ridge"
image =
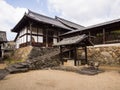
pixel 104 23
pixel 56 17
pixel 29 11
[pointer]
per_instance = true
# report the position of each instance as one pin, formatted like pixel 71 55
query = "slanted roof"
pixel 69 23
pixel 42 19
pixel 3 36
pixel 72 40
pixel 94 26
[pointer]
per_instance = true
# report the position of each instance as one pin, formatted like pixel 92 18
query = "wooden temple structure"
pixel 71 45
pixel 41 31
pixel 104 33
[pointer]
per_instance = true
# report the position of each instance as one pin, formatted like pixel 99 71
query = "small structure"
pixel 3 40
pixel 71 44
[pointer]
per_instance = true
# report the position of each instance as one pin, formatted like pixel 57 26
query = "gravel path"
pixel 60 80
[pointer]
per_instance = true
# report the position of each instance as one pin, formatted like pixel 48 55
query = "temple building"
pixel 41 31
pixel 103 33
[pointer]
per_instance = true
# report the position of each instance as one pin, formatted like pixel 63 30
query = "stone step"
pixel 3 73
pixel 21 65
pixel 16 70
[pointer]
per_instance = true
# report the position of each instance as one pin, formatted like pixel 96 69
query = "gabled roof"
pixel 57 22
pixel 94 26
pixel 72 40
pixel 69 23
pixel 45 19
pixel 3 37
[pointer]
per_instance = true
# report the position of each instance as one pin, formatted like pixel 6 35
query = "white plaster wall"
pixel 23 31
pixel 28 31
pixel 22 39
pixel 54 40
pixel 55 34
pixel 35 38
pixel 40 39
pixel 17 43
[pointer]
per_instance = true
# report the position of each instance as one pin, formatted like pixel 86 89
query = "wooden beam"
pixel 103 36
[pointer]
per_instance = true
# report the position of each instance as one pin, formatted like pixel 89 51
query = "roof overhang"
pixel 31 16
pixel 75 40
pixel 95 27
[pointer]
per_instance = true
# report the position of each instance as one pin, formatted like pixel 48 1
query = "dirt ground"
pixel 61 80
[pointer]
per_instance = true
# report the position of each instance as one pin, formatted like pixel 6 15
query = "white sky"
pixel 84 12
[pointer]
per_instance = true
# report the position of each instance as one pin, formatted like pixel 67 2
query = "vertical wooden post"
pixel 61 56
pixel 89 35
pixel 27 36
pixel 37 34
pixel 0 53
pixel 103 36
pixel 31 34
pixel 75 56
pixel 86 59
pixel 46 38
pixel 69 54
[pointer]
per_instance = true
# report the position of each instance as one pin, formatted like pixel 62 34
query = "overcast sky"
pixel 83 12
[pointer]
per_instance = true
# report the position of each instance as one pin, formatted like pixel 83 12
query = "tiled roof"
pixel 71 40
pixel 93 26
pixel 45 19
pixel 69 23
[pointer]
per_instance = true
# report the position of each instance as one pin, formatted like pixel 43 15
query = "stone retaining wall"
pixel 22 53
pixel 108 54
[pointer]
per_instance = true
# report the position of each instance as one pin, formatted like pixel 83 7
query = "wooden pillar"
pixel 86 59
pixel 75 56
pixel 103 36
pixel 27 36
pixel 69 54
pixel 37 34
pixel 0 52
pixel 89 35
pixel 31 34
pixel 61 55
pixel 46 38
